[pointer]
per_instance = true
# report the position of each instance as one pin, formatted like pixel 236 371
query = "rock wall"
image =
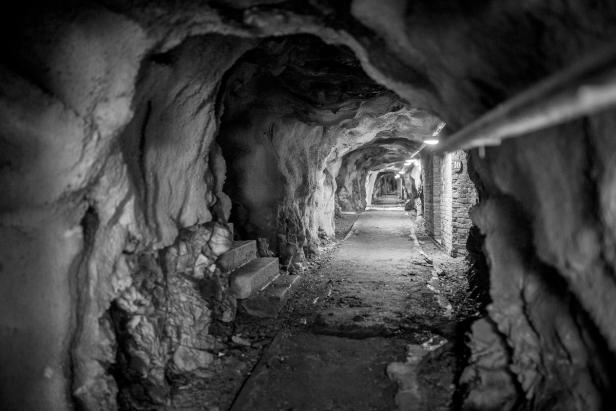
pixel 277 174
pixel 351 184
pixel 539 289
pixel 162 166
pixel 414 185
pixel 62 104
pixel 162 321
pixel 109 160
pixel 369 186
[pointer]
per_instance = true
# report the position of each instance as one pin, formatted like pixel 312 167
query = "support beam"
pixel 582 89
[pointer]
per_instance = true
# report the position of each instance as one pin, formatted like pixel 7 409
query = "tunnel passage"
pixel 132 133
pixel 302 124
pixel 387 189
pixel 357 176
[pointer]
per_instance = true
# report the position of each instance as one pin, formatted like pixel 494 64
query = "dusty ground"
pixel 344 223
pixel 359 306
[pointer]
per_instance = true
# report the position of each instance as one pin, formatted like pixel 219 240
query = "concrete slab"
pixel 267 303
pixel 241 252
pixel 253 276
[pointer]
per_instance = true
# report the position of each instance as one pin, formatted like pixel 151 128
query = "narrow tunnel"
pixel 310 205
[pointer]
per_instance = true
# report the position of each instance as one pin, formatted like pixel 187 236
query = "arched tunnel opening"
pixel 261 205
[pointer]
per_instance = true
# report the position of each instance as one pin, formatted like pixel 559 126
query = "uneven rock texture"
pixel 60 111
pixel 160 175
pixel 489 380
pixel 538 289
pixel 92 199
pixel 381 154
pixel 183 286
pixel 108 115
pixel 290 119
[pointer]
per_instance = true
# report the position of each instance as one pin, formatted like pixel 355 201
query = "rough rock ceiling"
pixel 302 77
pixel 322 75
pixel 383 153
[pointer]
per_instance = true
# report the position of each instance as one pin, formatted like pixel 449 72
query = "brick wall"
pixel 464 196
pixel 446 202
pixel 436 198
pixel 448 196
pixel 427 180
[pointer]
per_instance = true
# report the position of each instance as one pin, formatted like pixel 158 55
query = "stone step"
pixel 253 276
pixel 268 302
pixel 241 252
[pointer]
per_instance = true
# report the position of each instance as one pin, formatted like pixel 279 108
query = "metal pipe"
pixel 582 89
pixel 423 145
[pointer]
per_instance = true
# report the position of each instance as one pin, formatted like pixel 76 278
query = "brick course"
pixel 448 196
pixel 465 197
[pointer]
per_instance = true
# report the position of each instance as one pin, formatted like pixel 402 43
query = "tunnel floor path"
pixel 378 293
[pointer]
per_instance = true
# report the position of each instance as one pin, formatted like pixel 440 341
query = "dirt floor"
pixel 345 222
pixel 372 326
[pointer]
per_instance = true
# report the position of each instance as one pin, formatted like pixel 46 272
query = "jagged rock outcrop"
pixel 162 320
pixel 160 175
pixel 114 184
